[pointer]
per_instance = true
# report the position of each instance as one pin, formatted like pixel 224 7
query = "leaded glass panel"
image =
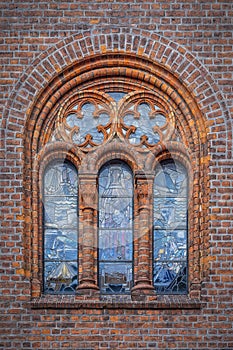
pixel 117 96
pixel 115 278
pixel 115 228
pixel 87 123
pixel 145 124
pixel 60 228
pixel 170 228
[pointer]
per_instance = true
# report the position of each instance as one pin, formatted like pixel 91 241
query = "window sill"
pixel 115 302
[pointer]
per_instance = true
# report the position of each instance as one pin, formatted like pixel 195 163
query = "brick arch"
pixel 124 152
pixel 130 56
pixel 54 151
pixel 116 66
pixel 171 149
pixel 140 42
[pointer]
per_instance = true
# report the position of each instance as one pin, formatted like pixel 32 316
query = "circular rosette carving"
pixel 145 120
pixel 87 119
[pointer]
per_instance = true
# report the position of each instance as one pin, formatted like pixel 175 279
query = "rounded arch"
pixel 114 150
pixel 86 44
pixel 56 150
pixel 117 67
pixel 169 149
pixel 101 67
pixel 178 153
pixel 33 210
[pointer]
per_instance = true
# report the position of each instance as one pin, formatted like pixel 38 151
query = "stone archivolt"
pixel 139 113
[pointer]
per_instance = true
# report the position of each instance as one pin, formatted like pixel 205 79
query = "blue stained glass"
pixel 117 96
pixel 170 180
pixel 115 225
pixel 60 244
pixel 60 180
pixel 130 120
pixel 60 228
pixel 170 228
pixel 170 244
pixel 170 277
pixel 116 181
pixel 116 278
pixel 60 212
pixel 87 124
pixel 110 216
pixel 60 277
pixel 135 137
pixel 115 245
pixel 160 120
pixel 170 212
pixel 144 125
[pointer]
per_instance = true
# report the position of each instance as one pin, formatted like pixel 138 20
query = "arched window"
pixel 115 228
pixel 115 116
pixel 170 227
pixel 60 186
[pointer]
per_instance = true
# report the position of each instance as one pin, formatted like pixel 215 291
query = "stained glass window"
pixel 144 125
pixel 89 117
pixel 60 228
pixel 115 228
pixel 170 228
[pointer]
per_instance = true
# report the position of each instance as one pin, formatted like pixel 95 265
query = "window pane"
pixel 115 245
pixel 145 122
pixel 115 228
pixel 115 278
pixel 170 228
pixel 60 228
pixel 88 122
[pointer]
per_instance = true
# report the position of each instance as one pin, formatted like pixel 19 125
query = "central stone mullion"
pixel 144 186
pixel 88 235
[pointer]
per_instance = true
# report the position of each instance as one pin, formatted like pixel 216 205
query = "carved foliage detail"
pixel 88 196
pixel 142 193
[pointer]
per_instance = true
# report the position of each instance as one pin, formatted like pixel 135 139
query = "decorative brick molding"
pixel 182 52
pixel 177 77
pixel 118 302
pixel 130 72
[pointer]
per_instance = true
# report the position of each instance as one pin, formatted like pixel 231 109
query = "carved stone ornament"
pixel 142 193
pixel 91 118
pixel 88 196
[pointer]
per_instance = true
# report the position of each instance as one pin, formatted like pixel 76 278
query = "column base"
pixel 143 291
pixel 87 288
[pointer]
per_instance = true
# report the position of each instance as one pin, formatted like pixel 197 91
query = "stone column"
pixel 143 236
pixel 88 235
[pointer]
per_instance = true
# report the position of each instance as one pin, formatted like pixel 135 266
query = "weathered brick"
pixel 41 44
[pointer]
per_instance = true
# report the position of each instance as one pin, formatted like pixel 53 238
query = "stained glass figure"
pixel 60 228
pixel 170 228
pixel 115 228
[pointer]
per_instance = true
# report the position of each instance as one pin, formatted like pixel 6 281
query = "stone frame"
pixel 125 71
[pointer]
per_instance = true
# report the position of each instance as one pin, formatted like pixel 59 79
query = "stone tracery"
pixel 94 119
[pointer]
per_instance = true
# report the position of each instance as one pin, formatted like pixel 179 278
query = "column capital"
pixel 88 194
pixel 144 175
pixel 143 192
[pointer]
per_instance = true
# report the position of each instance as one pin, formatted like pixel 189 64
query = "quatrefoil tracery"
pixel 93 118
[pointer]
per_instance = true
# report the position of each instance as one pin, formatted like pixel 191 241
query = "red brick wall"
pixel 193 41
